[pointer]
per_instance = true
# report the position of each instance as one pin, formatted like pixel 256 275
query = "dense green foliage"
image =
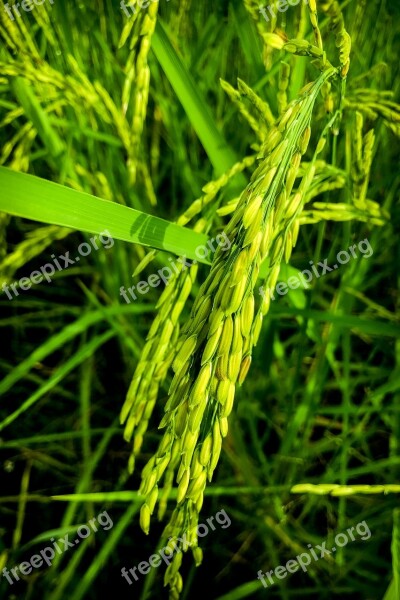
pixel 152 127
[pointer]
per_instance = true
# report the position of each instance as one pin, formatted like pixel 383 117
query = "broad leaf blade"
pixel 41 200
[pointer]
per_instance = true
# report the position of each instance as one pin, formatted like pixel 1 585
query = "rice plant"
pixel 230 156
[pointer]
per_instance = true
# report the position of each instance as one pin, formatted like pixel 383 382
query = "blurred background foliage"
pixel 321 404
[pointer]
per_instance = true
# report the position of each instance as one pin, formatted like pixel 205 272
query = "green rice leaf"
pixel 41 200
pixel 219 153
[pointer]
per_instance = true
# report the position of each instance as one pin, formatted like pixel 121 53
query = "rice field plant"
pixel 199 213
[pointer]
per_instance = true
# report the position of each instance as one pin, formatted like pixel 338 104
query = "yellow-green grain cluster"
pixel 32 246
pixel 139 28
pixel 342 37
pixel 237 100
pixel 284 76
pixel 155 359
pixel 362 160
pixel 213 354
pixel 374 104
pixel 156 355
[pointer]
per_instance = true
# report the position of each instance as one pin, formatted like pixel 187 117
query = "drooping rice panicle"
pixel 374 104
pixel 139 29
pixel 18 37
pixel 342 37
pixel 237 101
pixel 262 107
pixel 156 356
pixel 214 351
pixel 362 161
pixel 33 245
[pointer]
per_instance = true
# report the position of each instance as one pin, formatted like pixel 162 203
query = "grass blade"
pixel 53 203
pixel 219 153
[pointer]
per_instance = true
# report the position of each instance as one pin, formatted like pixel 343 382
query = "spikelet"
pixel 251 212
pixel 284 75
pixel 303 48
